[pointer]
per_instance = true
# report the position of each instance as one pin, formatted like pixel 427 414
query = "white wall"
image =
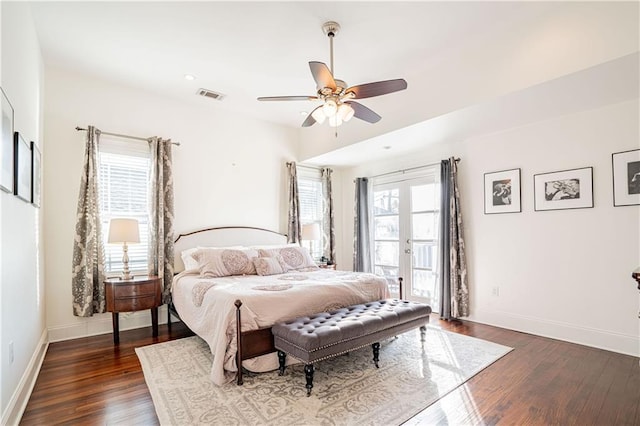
pixel 562 274
pixel 228 170
pixel 22 292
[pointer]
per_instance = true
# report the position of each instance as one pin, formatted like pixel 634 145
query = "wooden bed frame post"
pixel 238 304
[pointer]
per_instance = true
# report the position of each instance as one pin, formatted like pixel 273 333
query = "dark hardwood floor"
pixel 542 382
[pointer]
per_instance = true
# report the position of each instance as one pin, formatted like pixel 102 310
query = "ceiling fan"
pixel 337 98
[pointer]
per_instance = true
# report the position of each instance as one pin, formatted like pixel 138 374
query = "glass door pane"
pixel 424 248
pixel 386 234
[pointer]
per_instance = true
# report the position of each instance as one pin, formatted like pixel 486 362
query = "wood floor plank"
pixel 541 382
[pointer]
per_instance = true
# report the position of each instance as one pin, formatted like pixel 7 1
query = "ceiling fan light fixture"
pixel 345 112
pixel 318 115
pixel 330 108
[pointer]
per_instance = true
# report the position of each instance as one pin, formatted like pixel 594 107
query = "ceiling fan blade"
pixel 322 76
pixel 310 121
pixel 288 98
pixel 363 113
pixel 369 90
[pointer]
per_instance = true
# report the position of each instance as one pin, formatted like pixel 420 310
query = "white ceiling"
pixel 455 56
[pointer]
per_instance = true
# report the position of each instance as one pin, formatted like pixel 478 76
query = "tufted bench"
pixel 328 334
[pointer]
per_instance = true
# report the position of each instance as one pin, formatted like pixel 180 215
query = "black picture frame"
pixel 625 167
pixel 22 168
pixel 565 189
pixel 502 193
pixel 36 175
pixel 6 143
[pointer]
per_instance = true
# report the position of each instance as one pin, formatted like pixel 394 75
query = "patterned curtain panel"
pixel 293 229
pixel 361 243
pixel 87 276
pixel 454 288
pixel 327 216
pixel 161 214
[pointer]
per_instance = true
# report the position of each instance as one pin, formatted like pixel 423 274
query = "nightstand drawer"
pixel 134 290
pixel 135 304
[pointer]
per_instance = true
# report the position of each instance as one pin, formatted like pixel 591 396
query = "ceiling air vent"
pixel 210 94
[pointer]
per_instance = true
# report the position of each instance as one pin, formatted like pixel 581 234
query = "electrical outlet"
pixel 495 291
pixel 10 352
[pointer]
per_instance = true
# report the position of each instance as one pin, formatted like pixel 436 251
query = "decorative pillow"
pixel 295 257
pixel 214 263
pixel 188 260
pixel 269 265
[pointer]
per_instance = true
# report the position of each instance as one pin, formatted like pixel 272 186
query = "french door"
pixel 405 235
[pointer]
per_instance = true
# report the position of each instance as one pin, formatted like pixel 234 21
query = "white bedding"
pixel 207 306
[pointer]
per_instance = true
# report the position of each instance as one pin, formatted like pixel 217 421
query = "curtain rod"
pixel 409 169
pixel 125 136
pixel 304 166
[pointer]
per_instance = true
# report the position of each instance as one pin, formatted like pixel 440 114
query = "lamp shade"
pixel 310 232
pixel 123 230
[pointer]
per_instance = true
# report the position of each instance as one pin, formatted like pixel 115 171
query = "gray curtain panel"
pixel 161 214
pixel 327 217
pixel 361 243
pixel 293 229
pixel 454 288
pixel 87 276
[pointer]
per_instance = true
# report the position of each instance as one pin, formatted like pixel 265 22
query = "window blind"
pixel 311 205
pixel 124 173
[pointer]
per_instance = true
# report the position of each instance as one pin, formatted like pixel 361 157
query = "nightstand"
pixel 136 294
pixel 325 266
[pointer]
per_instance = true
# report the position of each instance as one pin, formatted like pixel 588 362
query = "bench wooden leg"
pixel 308 374
pixel 376 353
pixel 281 359
pixel 423 332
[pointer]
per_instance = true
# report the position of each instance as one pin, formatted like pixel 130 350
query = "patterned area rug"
pixel 347 390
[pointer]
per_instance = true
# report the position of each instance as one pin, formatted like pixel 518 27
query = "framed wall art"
pixel 567 189
pixel 502 192
pixel 6 141
pixel 36 180
pixel 22 168
pixel 626 178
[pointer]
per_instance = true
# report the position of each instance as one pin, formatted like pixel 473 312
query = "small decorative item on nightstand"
pixel 136 294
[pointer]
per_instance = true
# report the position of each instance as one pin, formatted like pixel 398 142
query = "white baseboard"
pixel 102 324
pixel 588 336
pixel 20 398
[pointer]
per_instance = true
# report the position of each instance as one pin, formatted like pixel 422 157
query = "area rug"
pixel 347 390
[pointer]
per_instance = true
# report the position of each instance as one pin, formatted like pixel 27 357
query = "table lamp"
pixel 123 231
pixel 310 232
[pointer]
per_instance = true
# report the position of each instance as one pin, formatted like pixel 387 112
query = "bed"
pixel 212 306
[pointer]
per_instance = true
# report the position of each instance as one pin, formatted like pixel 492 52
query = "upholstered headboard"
pixel 224 236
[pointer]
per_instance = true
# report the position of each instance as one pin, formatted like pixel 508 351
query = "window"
pixel 124 174
pixel 311 206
